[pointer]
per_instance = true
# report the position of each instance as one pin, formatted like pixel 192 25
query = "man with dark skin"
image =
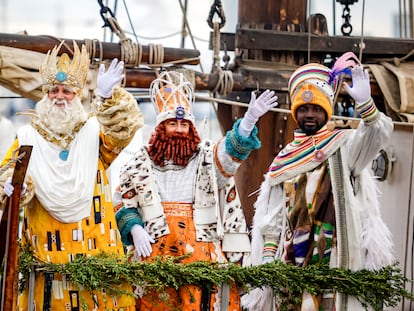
pixel 311 118
pixel 318 203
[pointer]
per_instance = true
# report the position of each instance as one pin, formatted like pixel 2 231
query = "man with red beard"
pixel 177 196
pixel 68 208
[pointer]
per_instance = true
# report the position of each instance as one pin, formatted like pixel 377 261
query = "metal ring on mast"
pixel 216 7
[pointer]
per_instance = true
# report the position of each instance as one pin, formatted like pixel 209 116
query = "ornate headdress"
pixel 317 84
pixel 65 71
pixel 172 96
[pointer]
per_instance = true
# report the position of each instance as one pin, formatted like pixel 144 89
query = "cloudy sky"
pixel 155 21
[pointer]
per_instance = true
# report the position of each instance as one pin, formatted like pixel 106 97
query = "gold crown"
pixel 64 70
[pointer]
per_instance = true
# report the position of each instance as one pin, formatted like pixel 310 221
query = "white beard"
pixel 61 120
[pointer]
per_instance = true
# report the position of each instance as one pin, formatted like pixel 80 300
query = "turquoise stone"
pixel 61 76
pixel 63 155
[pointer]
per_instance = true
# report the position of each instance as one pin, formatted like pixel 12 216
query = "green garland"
pixel 386 286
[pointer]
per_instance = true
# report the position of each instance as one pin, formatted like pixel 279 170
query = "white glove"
pixel 9 188
pixel 142 241
pixel 257 108
pixel 234 256
pixel 268 259
pixel 361 89
pixel 107 80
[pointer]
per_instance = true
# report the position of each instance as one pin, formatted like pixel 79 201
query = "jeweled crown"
pixel 64 70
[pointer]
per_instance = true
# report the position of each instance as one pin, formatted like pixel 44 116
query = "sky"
pixel 155 21
pixel 380 16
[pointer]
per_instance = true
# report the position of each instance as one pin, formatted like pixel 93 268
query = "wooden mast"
pixel 274 128
pixel 107 50
pixel 9 239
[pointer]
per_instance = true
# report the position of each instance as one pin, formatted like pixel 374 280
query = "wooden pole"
pixel 43 44
pixel 274 128
pixel 10 265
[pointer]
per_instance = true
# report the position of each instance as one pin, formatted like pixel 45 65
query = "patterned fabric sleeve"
pixel 239 146
pixel 128 197
pixel 236 242
pixel 119 118
pixel 367 140
pixel 126 218
pixel 368 111
pixel 231 151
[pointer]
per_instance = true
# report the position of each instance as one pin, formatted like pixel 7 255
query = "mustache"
pixel 56 101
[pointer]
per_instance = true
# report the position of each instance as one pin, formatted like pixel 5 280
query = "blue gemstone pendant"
pixel 64 154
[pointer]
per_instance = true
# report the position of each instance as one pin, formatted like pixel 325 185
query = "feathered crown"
pixel 172 96
pixel 317 84
pixel 65 71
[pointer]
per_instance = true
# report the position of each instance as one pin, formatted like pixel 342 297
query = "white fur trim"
pixel 259 221
pixel 258 299
pixel 205 216
pixel 376 236
pixel 268 217
pixel 236 242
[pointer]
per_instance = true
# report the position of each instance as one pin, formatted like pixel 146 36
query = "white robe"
pixel 368 240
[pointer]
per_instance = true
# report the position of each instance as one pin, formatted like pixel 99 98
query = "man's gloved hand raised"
pixel 142 241
pixel 360 90
pixel 257 108
pixel 107 80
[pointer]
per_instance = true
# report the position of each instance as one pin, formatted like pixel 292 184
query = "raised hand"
pixel 257 108
pixel 360 90
pixel 107 80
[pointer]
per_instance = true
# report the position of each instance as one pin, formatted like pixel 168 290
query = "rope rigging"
pixel 225 81
pixel 131 52
pixel 188 29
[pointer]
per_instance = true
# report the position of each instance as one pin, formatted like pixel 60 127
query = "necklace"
pixel 319 155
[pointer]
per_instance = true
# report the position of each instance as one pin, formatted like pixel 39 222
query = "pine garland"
pixel 386 286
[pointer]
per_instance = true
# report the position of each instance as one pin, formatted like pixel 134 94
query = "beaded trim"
pixel 62 140
pixel 239 146
pixel 178 209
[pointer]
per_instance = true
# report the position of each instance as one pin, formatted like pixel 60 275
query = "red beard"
pixel 178 148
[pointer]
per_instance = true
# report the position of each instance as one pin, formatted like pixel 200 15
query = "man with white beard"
pixel 61 115
pixel 67 201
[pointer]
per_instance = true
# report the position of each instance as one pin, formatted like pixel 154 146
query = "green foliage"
pixel 288 282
